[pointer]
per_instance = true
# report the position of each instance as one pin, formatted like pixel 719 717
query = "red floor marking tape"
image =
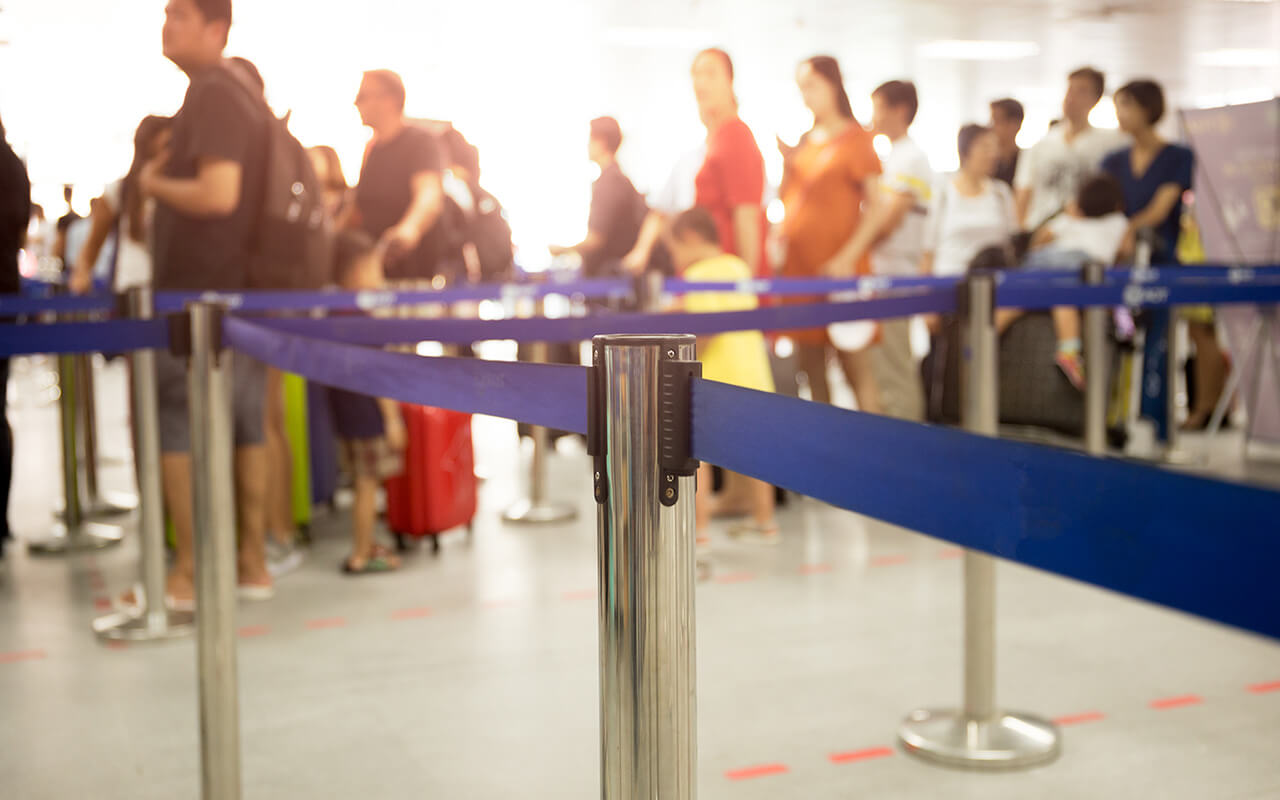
pixel 411 613
pixel 250 631
pixel 814 569
pixel 102 603
pixel 117 645
pixel 756 772
pixel 1080 719
pixel 329 622
pixel 888 561
pixel 735 577
pixel 583 594
pixel 1177 702
pixel 954 552
pixel 1264 688
pixel 861 755
pixel 21 655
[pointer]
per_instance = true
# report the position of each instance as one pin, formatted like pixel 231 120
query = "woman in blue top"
pixel 1153 175
pixel 1152 172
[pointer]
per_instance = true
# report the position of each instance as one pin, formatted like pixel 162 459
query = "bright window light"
pixel 977 50
pixel 1104 114
pixel 1239 57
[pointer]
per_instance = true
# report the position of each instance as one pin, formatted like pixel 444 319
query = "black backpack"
pixel 291 243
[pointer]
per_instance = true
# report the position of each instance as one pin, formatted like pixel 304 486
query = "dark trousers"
pixel 6 453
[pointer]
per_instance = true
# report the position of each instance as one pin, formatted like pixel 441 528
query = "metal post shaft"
pixel 1097 365
pixel 96 503
pixel 154 620
pixel 979 735
pixel 646 562
pixel 215 555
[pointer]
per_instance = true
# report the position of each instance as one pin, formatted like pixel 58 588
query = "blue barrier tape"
pixel 118 336
pixel 31 305
pixel 378 332
pixel 1201 546
pixel 1166 274
pixel 553 395
pixel 1135 295
pixel 261 301
pixel 804 286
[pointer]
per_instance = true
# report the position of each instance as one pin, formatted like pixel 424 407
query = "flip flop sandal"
pixel 135 605
pixel 376 564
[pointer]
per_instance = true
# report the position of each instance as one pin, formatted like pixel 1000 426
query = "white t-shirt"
pixel 133 259
pixel 1054 169
pixel 960 227
pixel 1098 237
pixel 906 171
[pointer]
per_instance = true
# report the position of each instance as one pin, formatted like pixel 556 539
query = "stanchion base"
pixel 124 626
pixel 1008 741
pixel 89 536
pixel 1182 458
pixel 529 511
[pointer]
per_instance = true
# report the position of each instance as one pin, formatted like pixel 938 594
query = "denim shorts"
pixel 248 401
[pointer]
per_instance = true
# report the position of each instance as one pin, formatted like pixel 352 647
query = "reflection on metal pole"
pixel 648 729
pixel 1097 366
pixel 536 507
pixel 209 382
pixel 979 735
pixel 153 620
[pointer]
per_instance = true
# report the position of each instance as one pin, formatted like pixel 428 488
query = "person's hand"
pixel 151 170
pixel 934 323
pixel 399 240
pixel 1128 246
pixel 81 280
pixel 635 262
pixel 787 150
pixel 839 267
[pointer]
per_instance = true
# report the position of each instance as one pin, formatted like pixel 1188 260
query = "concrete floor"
pixel 473 675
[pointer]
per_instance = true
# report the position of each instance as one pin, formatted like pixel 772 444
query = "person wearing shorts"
pixel 206 183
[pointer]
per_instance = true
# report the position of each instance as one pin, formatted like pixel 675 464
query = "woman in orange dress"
pixel 828 186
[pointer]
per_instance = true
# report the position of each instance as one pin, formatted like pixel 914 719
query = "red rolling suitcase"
pixel 437 491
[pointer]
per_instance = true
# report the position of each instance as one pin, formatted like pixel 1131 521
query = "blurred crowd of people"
pixel 185 215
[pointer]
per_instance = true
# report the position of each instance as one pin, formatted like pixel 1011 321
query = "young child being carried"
pixel 1091 229
pixel 740 358
pixel 370 430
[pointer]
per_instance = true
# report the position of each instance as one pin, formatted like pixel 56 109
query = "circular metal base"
pixel 1181 458
pixel 1008 741
pixel 89 536
pixel 124 626
pixel 528 511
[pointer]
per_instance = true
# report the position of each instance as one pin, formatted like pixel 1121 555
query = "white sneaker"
pixel 282 558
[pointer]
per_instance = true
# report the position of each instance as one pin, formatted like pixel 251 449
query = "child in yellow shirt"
pixel 740 358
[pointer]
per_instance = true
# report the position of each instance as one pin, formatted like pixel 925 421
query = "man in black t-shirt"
pixel 207 187
pixel 15 213
pixel 1006 121
pixel 399 196
pixel 617 209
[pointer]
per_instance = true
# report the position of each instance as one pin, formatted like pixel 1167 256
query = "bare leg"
pixel 175 471
pixel 861 376
pixel 1066 324
pixel 1211 372
pixel 279 463
pixel 812 361
pixel 1006 317
pixel 363 514
pixel 251 514
pixel 703 500
pixel 762 502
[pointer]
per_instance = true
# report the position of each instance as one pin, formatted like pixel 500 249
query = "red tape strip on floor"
pixel 1080 719
pixel 761 771
pixel 21 655
pixel 411 613
pixel 815 569
pixel 584 594
pixel 1264 688
pixel 329 622
pixel 250 631
pixel 954 552
pixel 889 561
pixel 861 755
pixel 1177 702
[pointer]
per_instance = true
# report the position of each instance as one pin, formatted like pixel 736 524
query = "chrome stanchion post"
pixel 72 533
pixel 536 507
pixel 96 503
pixel 154 619
pixel 209 377
pixel 980 735
pixel 638 411
pixel 1173 454
pixel 1097 367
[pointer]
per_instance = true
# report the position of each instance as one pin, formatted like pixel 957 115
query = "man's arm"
pixel 746 234
pixel 428 200
pixel 1021 205
pixel 1157 211
pixel 650 232
pixel 585 248
pixel 214 191
pixel 101 221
